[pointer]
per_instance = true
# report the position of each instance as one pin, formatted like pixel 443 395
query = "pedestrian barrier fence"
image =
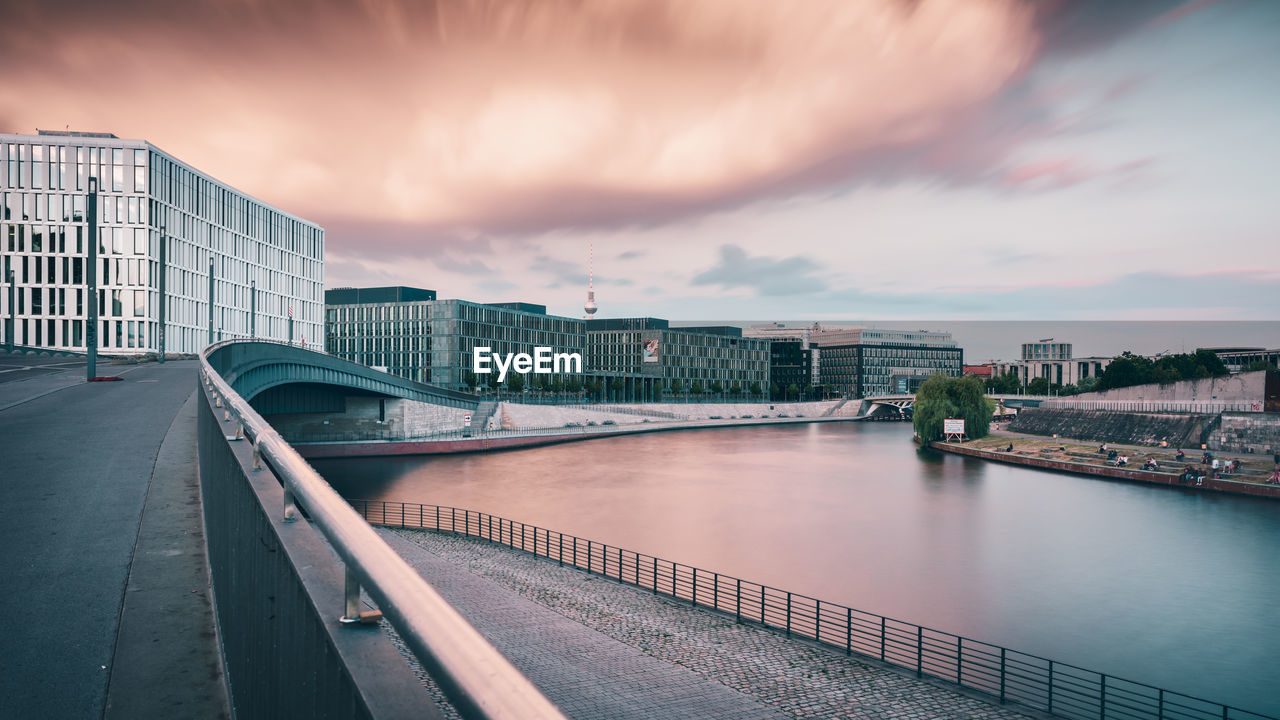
pixel 1006 675
pixel 1155 406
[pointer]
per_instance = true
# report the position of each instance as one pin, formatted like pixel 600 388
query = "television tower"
pixel 591 307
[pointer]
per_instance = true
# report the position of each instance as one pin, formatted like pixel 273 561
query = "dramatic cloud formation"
pixel 523 115
pixel 765 275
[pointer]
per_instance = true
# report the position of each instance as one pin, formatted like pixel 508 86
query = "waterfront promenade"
pixel 106 591
pixel 602 649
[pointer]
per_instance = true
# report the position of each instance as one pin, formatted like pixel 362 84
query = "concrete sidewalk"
pixel 83 463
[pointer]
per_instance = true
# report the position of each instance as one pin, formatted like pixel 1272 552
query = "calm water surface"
pixel 1169 587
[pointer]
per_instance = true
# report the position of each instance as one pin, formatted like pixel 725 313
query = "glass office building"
pixel 646 355
pixel 869 362
pixel 230 266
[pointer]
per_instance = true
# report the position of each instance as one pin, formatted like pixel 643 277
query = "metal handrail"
pixel 1032 681
pixel 479 681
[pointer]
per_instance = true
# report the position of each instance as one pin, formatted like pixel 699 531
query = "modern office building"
pixel 647 355
pixel 784 332
pixel 1053 362
pixel 383 327
pixel 1238 358
pixel 221 263
pixel 866 362
pixel 1046 349
pixel 460 326
pixel 408 332
pixel 790 363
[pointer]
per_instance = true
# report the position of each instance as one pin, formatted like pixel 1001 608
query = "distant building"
pixel 1053 362
pixel 790 363
pixel 413 335
pixel 646 355
pixel 984 371
pixel 1046 349
pixel 262 265
pixel 383 327
pixel 1236 359
pixel 866 362
pixel 802 333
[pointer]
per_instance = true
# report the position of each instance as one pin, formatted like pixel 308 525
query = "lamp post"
pixel 163 315
pixel 91 324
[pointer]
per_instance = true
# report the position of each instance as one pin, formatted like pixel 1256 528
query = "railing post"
pixel 655 576
pixel 817 621
pixel 715 591
pixel 693 593
pixel 788 614
pixel 575 551
pixel 257 456
pixel 437 517
pixel 920 659
pixel 422 523
pixel 1002 669
pixel 1102 694
pixel 848 631
pixel 290 505
pixel 351 596
pixel 560 541
pixel 882 628
pixel 453 520
pixel 960 661
pixel 737 610
pixel 589 551
pixel 1050 708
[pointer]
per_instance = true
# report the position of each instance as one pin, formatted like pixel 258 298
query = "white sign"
pixel 466 419
pixel 953 426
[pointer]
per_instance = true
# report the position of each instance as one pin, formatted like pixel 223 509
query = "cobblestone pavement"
pixel 600 649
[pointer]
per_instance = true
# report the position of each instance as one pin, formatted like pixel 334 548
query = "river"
pixel 1165 586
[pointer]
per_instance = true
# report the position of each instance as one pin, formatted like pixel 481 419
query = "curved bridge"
pixel 253 367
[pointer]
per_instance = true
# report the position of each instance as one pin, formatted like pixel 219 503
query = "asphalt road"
pixel 76 462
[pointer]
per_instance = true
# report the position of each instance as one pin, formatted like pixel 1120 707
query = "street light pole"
pixel 163 271
pixel 91 329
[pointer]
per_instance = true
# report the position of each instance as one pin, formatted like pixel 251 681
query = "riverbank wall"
pixel 513 440
pixel 1129 428
pixel 1113 473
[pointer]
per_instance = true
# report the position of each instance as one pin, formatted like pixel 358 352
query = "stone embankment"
pixel 1086 460
pixel 1175 429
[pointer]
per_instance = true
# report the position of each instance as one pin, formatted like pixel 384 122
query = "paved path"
pixel 79 461
pixel 600 649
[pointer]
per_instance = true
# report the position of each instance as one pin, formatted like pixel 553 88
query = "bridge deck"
pixel 105 585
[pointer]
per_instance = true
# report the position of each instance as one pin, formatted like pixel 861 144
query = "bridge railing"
pixel 1005 675
pixel 477 679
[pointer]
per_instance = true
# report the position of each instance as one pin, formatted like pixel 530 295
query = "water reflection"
pixel 1164 586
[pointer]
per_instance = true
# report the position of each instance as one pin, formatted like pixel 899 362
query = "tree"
pixel 1087 384
pixel 1038 386
pixel 756 390
pixel 735 388
pixel 1257 365
pixel 471 380
pixel 696 388
pixel 597 388
pixel 1006 384
pixel 492 381
pixel 616 385
pixel 574 385
pixel 942 397
pixel 775 392
pixel 676 386
pixel 717 387
pixel 515 383
pixel 793 390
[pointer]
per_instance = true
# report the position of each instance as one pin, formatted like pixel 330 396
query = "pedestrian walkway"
pixel 98 495
pixel 602 649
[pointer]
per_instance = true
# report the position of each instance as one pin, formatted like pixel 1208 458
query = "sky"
pixel 890 159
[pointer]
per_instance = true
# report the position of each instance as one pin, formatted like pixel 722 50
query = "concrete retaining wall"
pixel 1247 433
pixel 278 593
pixel 1116 427
pixel 1244 387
